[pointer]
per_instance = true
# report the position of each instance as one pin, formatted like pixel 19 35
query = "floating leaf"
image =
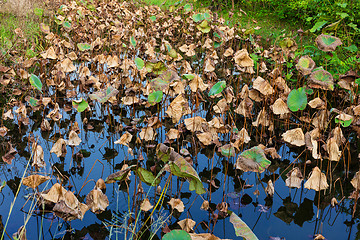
pixel 321 79
pixel 241 229
pixel 177 235
pixel 305 65
pixel 297 99
pixel 84 46
pixel 155 97
pixel 217 88
pixel 327 43
pixel 162 82
pixel 104 94
pixel 35 82
pixel 253 160
pixel 80 105
pixel 147 177
pixel 139 63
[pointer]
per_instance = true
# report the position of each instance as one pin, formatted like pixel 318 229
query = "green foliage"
pixel 297 99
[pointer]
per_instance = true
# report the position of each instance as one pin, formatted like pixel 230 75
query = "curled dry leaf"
pixel 20 234
pixel 45 125
pixel 147 134
pixel 270 190
pixel 38 156
pixel 316 103
pixel 205 205
pixel 35 180
pixel 317 180
pixel 67 65
pixel 10 155
pixel 74 139
pixel 178 107
pixel 294 137
pixel 205 138
pixel 187 224
pixel 59 148
pixel 243 59
pixel 280 107
pixel 177 204
pixel 294 178
pixel 146 205
pixel 173 134
pixel 49 54
pixel 55 113
pixel 55 194
pixel 263 86
pixel 356 181
pixel 333 150
pixel 100 184
pixel 195 124
pixel 197 83
pixel 125 139
pixel 3 131
pixel 97 201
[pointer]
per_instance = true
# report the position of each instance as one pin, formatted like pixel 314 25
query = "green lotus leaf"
pixel 153 18
pixel 241 228
pixel 321 79
pixel 162 82
pixel 67 24
pixel 139 63
pixel 35 82
pixel 180 167
pixel 187 7
pixel 33 101
pixel 84 46
pixel 133 41
pixel 189 76
pixel 155 97
pixel 104 94
pixel 204 27
pixel 157 68
pixel 147 177
pixel 198 17
pixel 253 160
pixel 327 43
pixel 305 65
pixel 217 88
pixel 297 99
pixel 80 105
pixel 118 176
pixel 177 235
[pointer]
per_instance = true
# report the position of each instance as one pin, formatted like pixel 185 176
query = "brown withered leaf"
pixel 74 139
pixel 356 181
pixel 263 86
pixel 59 148
pixel 197 83
pixel 187 224
pixel 317 180
pixel 49 54
pixel 125 139
pixel 195 124
pixel 270 190
pixel 97 201
pixel 294 178
pixel 146 205
pixel 20 234
pixel 333 149
pixel 243 59
pixel 279 107
pixel 177 204
pixel 67 65
pixel 147 134
pixel 35 180
pixel 294 137
pixel 173 134
pixel 3 131
pixel 316 103
pixel 38 156
pixel 55 194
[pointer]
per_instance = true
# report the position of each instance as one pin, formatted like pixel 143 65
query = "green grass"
pixel 29 45
pixel 270 26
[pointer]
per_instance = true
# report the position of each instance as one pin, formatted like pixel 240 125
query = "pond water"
pixel 290 214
